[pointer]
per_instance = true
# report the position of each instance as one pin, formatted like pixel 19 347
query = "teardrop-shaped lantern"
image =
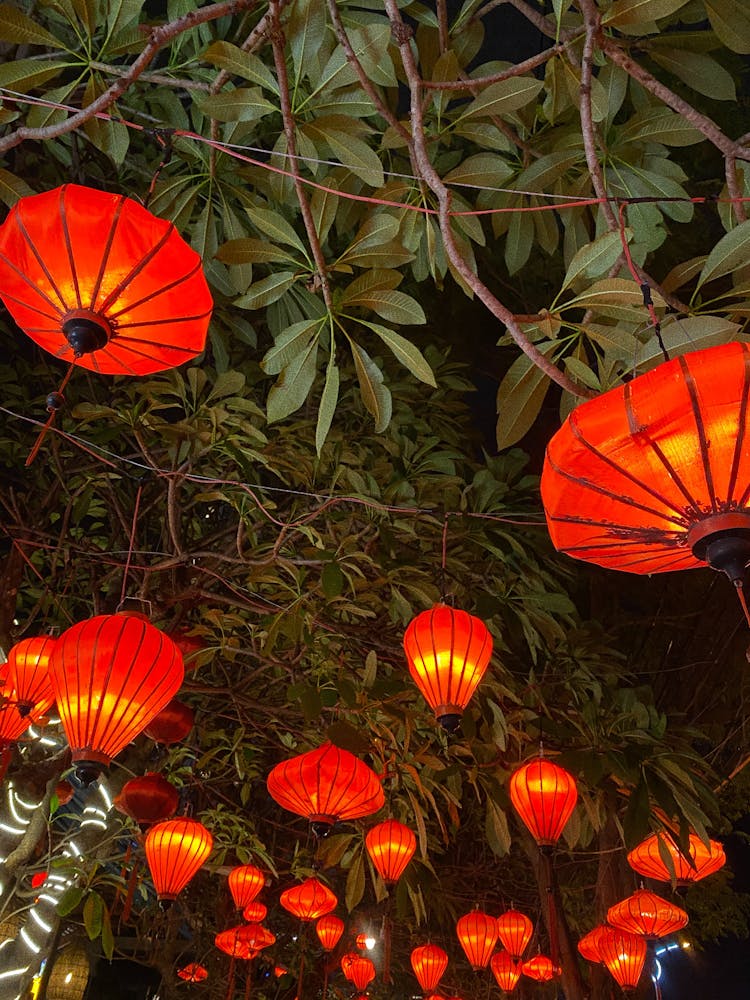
pixel 172 724
pixel 540 968
pixel 391 846
pixel 12 723
pixel 447 652
pixel 193 973
pixel 589 945
pixel 477 933
pixel 647 914
pixel 329 930
pixel 245 882
pixel 111 675
pixel 515 931
pixel 429 963
pixel 361 971
pixel 309 900
pixel 148 799
pixel 27 671
pixel 346 964
pixel 646 859
pixel 506 970
pixel 544 795
pixel 255 912
pixel 326 785
pixel 175 850
pixel 624 954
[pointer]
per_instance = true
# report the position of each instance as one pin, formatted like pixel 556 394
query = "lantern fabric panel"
pixel 346 964
pixel 175 850
pixel 27 672
pixel 514 929
pixel 309 900
pixel 477 933
pixel 391 846
pixel 544 796
pixel 245 882
pixel 255 912
pixel 172 723
pixel 429 963
pixel 646 859
pixel 506 970
pixel 329 929
pixel 148 799
pixel 624 955
pixel 647 914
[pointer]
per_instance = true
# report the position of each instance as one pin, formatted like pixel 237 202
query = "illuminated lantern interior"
pixel 477 933
pixel 329 930
pixel 175 850
pixel 514 929
pixel 391 846
pixel 647 859
pixel 647 914
pixel 245 882
pixel 506 970
pixel 540 968
pixel 544 795
pixel 27 671
pixel 624 954
pixel 309 900
pixel 429 963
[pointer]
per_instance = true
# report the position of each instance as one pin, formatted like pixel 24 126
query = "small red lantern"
pixel 624 954
pixel 346 964
pixel 326 785
pixel 540 968
pixel 309 900
pixel 646 859
pixel 544 795
pixel 12 724
pixel 429 963
pixel 172 724
pixel 477 933
pixel 27 671
pixel 244 941
pixel 245 882
pixel 175 850
pixel 447 652
pixel 506 970
pixel 647 914
pixel 38 879
pixel 255 912
pixel 329 930
pixel 589 945
pixel 64 792
pixel 360 942
pixel 148 800
pixel 515 931
pixel 193 973
pixel 361 972
pixel 391 846
pixel 279 971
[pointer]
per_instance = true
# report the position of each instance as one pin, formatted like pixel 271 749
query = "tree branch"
pixel 588 129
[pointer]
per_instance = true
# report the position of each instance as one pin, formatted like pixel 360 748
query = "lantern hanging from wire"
pixel 447 652
pixel 391 846
pixel 193 973
pixel 309 900
pixel 647 914
pixel 27 670
pixel 326 785
pixel 245 883
pixel 624 955
pixel 506 970
pixel 477 934
pixel 544 796
pixel 111 675
pixel 329 930
pixel 175 850
pixel 255 912
pixel 703 860
pixel 361 971
pixel 147 799
pixel 429 963
pixel 540 968
pixel 589 944
pixel 514 929
pixel 172 723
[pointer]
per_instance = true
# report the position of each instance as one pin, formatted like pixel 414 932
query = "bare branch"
pixel 518 69
pixel 588 129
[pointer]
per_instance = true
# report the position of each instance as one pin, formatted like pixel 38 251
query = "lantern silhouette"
pixel 111 675
pixel 147 800
pixel 541 968
pixel 255 912
pixel 245 882
pixel 12 723
pixel 544 795
pixel 429 964
pixel 193 973
pixel 624 954
pixel 391 846
pixel 175 850
pixel 447 652
pixel 172 723
pixel 361 971
pixel 646 859
pixel 589 945
pixel 514 929
pixel 309 900
pixel 647 914
pixel 326 785
pixel 477 933
pixel 506 970
pixel 329 930
pixel 27 672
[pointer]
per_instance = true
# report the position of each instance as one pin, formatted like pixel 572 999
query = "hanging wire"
pixel 131 544
pixel 55 402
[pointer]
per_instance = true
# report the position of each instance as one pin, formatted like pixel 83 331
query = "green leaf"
pixel 392 305
pixel 289 343
pixel 293 386
pixel 375 395
pixel 352 152
pixel 251 251
pixel 12 188
pixel 355 881
pixel 245 104
pixel 729 254
pixel 69 901
pixel 108 938
pixel 595 258
pixel 481 170
pixel 245 64
pixel 518 241
pixel 305 31
pixel 332 580
pixel 502 98
pixel 327 407
pixel 692 333
pixel 496 829
pixel 275 226
pixel 582 373
pixel 267 290
pixel 108 135
pixel 519 399
pixel 730 19
pixel 659 124
pixel 629 13
pixel 17 28
pixel 407 353
pixel 25 74
pixel 93 915
pixel 700 72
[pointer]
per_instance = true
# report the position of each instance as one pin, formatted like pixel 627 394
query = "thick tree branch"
pixel 733 188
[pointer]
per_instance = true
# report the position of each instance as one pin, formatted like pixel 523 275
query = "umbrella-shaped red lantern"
pixel 172 724
pixel 175 850
pixel 326 785
pixel 193 973
pixel 647 914
pixel 477 933
pixel 12 723
pixel 429 963
pixel 647 859
pixel 514 930
pixel 506 970
pixel 361 971
pixel 447 652
pixel 244 941
pixel 624 954
pixel 541 968
pixel 149 799
pixel 329 930
pixel 391 846
pixel 255 912
pixel 309 900
pixel 544 795
pixel 27 671
pixel 245 882
pixel 589 944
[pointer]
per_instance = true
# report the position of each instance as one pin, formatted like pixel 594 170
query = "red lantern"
pixel 361 972
pixel 175 850
pixel 544 795
pixel 447 652
pixel 391 846
pixel 346 964
pixel 329 930
pixel 326 785
pixel 64 792
pixel 245 882
pixel 514 930
pixel 624 954
pixel 38 878
pixel 27 671
pixel 646 859
pixel 279 971
pixel 309 900
pixel 647 914
pixel 540 968
pixel 12 724
pixel 244 941
pixel 148 800
pixel 111 675
pixel 506 970
pixel 477 933
pixel 429 963
pixel 255 912
pixel 193 973
pixel 172 724
pixel 360 942
pixel 188 645
pixel 589 945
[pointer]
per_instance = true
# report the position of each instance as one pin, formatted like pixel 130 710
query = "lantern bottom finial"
pixel 450 721
pixel 88 771
pixel 723 541
pixel 86 332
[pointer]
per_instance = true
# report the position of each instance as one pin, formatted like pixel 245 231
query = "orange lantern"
pixel 255 912
pixel 647 914
pixel 624 954
pixel 27 671
pixel 147 800
pixel 175 850
pixel 38 879
pixel 329 930
pixel 391 846
pixel 111 675
pixel 172 724
pixel 588 946
pixel 447 652
pixel 245 882
pixel 506 970
pixel 360 942
pixel 346 964
pixel 514 930
pixel 309 900
pixel 12 723
pixel 429 963
pixel 477 933
pixel 326 785
pixel 244 941
pixel 544 795
pixel 540 968
pixel 193 973
pixel 361 971
pixel 646 859
pixel 279 971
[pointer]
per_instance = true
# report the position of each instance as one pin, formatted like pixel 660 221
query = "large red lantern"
pixel 447 652
pixel 391 846
pixel 175 850
pixel 429 963
pixel 506 970
pixel 588 946
pixel 148 800
pixel 255 912
pixel 544 795
pixel 111 675
pixel 27 671
pixel 309 900
pixel 12 723
pixel 647 914
pixel 172 724
pixel 326 785
pixel 647 859
pixel 329 930
pixel 540 968
pixel 245 940
pixel 514 930
pixel 624 954
pixel 193 973
pixel 477 933
pixel 245 882
pixel 361 971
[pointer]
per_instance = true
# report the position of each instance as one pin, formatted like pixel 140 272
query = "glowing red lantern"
pixel 544 795
pixel 193 973
pixel 346 963
pixel 27 671
pixel 514 930
pixel 329 930
pixel 245 882
pixel 624 954
pixel 309 900
pixel 171 724
pixel 175 850
pixel 588 946
pixel 391 846
pixel 326 785
pixel 429 963
pixel 477 933
pixel 646 859
pixel 361 971
pixel 38 878
pixel 647 914
pixel 447 652
pixel 244 941
pixel 255 912
pixel 111 675
pixel 12 723
pixel 541 968
pixel 506 970
pixel 360 942
pixel 279 971
pixel 147 800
